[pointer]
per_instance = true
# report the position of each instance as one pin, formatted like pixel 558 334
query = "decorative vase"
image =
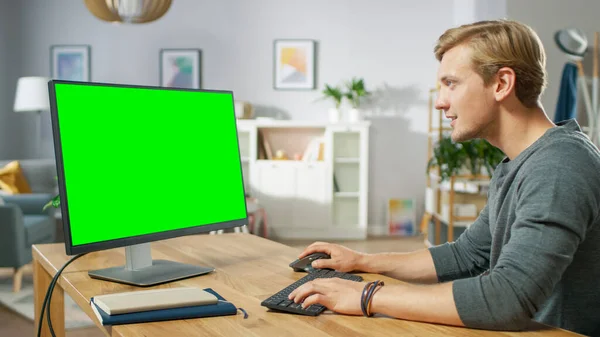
pixel 354 115
pixel 334 115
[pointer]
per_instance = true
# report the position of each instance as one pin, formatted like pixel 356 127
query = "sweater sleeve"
pixel 468 256
pixel 556 202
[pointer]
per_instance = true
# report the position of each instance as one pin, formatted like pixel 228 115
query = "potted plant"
pixel 356 91
pixel 470 157
pixel 335 94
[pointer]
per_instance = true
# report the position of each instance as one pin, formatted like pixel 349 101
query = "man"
pixel 534 251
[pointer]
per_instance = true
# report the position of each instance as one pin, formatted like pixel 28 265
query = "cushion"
pixel 12 179
pixel 39 229
pixel 40 174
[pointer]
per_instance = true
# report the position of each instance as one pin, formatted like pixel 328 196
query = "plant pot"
pixel 334 115
pixel 354 115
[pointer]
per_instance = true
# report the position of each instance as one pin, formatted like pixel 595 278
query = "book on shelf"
pixel 220 308
pixel 336 187
pixel 264 148
pixel 315 151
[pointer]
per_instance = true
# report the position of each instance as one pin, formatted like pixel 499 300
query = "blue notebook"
pixel 221 308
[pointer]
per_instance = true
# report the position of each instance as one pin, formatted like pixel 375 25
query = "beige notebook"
pixel 155 299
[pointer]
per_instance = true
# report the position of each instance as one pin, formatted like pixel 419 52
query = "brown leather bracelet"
pixel 378 284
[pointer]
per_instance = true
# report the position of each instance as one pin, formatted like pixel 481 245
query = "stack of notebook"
pixel 159 305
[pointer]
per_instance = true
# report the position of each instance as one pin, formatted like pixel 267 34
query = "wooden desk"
pixel 248 270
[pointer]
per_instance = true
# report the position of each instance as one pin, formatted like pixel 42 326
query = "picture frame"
pixel 180 68
pixel 71 62
pixel 401 216
pixel 294 64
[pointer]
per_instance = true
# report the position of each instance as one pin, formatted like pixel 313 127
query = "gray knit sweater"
pixel 534 251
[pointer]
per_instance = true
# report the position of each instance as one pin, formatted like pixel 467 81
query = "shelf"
pixel 459 221
pixel 465 218
pixel 460 187
pixel 346 194
pixel 280 123
pixel 346 160
pixel 437 133
pixel 290 162
pixel 477 178
pixel 436 130
pixel 295 142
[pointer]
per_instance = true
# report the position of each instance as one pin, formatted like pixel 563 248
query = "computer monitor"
pixel 138 164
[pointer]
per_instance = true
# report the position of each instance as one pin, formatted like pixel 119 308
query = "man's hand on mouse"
pixel 342 296
pixel 342 259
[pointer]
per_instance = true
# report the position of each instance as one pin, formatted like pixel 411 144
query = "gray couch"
pixel 22 221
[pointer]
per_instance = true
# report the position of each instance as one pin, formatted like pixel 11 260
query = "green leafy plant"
pixel 474 155
pixel 333 93
pixel 55 202
pixel 356 90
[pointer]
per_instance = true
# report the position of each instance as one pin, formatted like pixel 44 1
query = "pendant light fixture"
pixel 128 11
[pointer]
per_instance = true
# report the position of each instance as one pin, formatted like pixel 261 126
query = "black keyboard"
pixel 280 300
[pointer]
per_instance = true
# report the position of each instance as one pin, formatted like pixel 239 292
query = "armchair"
pixel 22 221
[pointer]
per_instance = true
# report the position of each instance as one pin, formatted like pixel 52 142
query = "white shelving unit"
pixel 323 198
pixel 346 194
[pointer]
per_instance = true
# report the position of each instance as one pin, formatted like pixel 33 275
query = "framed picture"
pixel 294 64
pixel 401 217
pixel 70 62
pixel 181 68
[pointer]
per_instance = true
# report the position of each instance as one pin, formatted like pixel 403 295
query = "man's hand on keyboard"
pixel 336 294
pixel 342 259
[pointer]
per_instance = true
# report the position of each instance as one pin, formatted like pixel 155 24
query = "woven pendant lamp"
pixel 128 11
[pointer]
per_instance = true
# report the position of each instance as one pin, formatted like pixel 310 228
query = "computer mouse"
pixel 304 264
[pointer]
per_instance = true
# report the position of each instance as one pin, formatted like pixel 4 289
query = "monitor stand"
pixel 141 270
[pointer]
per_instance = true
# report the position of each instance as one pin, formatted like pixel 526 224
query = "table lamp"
pixel 32 96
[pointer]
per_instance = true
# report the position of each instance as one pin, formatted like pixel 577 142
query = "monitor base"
pixel 160 271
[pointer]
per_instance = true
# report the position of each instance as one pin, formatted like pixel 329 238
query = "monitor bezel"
pixel 139 239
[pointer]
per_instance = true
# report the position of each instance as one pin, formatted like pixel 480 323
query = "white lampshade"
pixel 32 94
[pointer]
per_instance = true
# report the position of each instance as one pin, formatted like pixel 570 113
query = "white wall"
pixel 388 43
pixel 490 9
pixel 548 16
pixel 468 11
pixel 9 69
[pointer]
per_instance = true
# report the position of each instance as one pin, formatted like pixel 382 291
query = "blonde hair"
pixel 502 43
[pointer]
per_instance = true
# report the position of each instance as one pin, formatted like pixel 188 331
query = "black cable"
pixel 48 297
pixel 44 305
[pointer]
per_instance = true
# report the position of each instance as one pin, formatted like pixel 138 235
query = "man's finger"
pixel 317 247
pixel 316 299
pixel 311 248
pixel 324 263
pixel 304 291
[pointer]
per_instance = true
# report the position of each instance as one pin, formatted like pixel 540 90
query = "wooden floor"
pixel 13 325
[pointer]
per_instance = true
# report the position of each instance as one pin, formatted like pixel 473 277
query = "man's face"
pixel 463 96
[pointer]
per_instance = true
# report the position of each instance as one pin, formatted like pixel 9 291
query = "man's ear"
pixel 505 83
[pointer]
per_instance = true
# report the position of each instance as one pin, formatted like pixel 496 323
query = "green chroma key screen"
pixel 147 160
